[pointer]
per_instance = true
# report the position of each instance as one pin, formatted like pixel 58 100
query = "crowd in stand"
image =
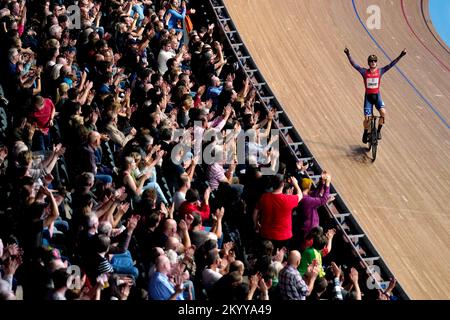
pixel 110 116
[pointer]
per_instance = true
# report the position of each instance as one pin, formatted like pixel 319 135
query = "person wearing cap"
pixel 372 81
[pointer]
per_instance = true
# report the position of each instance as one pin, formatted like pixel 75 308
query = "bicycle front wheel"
pixel 374 141
pixel 374 151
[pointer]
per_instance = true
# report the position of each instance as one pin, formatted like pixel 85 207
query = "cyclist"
pixel 372 80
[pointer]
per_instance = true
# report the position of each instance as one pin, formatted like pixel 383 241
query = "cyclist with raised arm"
pixel 372 80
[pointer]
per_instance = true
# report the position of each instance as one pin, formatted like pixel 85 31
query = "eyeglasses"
pixel 373 61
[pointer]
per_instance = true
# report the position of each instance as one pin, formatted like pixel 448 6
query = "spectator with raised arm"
pixel 321 247
pixel 308 217
pixel 194 204
pixel 272 216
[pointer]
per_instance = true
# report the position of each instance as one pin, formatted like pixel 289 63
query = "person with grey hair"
pixel 55 31
pixel 105 228
pixel 13 55
pixel 91 155
pixel 159 286
pixel 92 223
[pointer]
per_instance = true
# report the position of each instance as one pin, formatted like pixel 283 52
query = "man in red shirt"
pixel 42 117
pixel 273 213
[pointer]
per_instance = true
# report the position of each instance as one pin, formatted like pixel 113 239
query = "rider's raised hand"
pixel 403 52
pixel 346 51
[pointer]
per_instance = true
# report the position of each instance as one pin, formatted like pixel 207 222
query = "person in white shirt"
pixel 167 53
pixel 164 55
pixel 211 274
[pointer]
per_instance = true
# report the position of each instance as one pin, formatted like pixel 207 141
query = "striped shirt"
pixel 215 174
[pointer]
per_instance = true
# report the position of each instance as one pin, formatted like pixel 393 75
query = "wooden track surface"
pixel 401 200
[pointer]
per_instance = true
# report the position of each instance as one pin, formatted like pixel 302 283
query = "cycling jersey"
pixel 372 80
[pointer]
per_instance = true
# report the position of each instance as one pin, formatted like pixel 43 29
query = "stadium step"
pixel 285 129
pixel 277 113
pixel 259 85
pixel 244 57
pixel 267 99
pixel 371 260
pixel 341 217
pixel 305 159
pixel 296 144
pixel 355 237
pixel 251 71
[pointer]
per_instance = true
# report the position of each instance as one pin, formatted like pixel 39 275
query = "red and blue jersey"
pixel 372 80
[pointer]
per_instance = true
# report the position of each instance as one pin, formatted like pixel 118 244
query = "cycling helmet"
pixel 372 57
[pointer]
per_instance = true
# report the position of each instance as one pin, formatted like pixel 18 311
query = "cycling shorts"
pixel 370 100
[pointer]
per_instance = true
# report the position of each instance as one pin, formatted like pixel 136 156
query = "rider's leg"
pixel 382 110
pixel 383 118
pixel 366 122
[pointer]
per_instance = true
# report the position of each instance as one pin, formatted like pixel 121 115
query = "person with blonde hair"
pixel 61 93
pixel 173 17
